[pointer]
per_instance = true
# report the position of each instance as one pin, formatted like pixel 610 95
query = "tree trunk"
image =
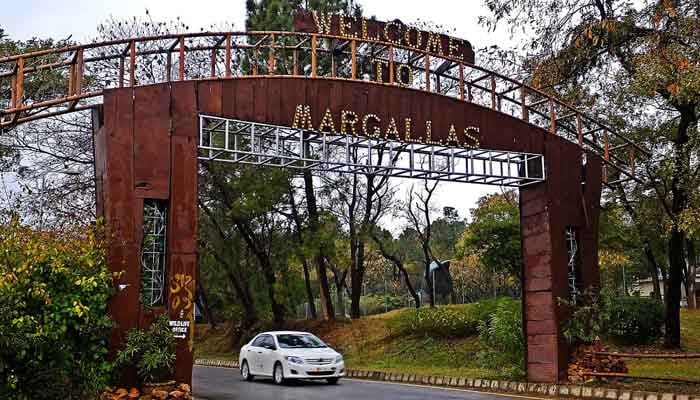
pixel 654 269
pixel 676 258
pixel 309 292
pixel 263 258
pixel 676 244
pixel 356 277
pixel 340 292
pixel 204 302
pixel 394 259
pixel 320 260
pixel 304 261
pixel 690 279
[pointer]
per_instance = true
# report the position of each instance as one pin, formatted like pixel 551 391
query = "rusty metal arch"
pixel 86 71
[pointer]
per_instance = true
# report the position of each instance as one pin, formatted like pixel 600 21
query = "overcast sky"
pixel 60 19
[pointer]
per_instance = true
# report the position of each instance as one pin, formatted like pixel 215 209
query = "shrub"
pixel 53 314
pixel 445 321
pixel 502 337
pixel 585 321
pixel 151 351
pixel 634 320
pixel 377 304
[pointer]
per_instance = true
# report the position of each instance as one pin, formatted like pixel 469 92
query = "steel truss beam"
pixel 244 142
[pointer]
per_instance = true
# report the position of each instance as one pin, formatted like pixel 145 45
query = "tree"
pixel 278 15
pixel 388 249
pixel 418 214
pixel 644 57
pixel 494 233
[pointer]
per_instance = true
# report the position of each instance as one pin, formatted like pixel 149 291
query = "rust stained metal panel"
pixel 291 96
pixel 119 135
pixel 245 100
pixel 152 142
pixel 181 290
pixel 228 101
pixel 498 132
pixel 260 100
pixel 183 198
pixel 99 156
pixel 209 97
pixel 183 109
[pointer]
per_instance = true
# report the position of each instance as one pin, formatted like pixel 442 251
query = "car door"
pixel 253 355
pixel 267 355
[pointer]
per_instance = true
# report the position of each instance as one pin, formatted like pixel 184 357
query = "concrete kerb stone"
pixel 512 386
pixel 668 396
pixel 598 393
pixel 625 395
pixel 564 390
pixel 612 394
pixel 587 392
pixel 637 395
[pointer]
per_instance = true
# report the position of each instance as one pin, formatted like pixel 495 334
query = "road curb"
pixel 496 386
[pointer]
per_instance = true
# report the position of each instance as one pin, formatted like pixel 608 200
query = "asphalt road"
pixel 211 383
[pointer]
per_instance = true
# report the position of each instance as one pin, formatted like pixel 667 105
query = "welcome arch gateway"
pixel 331 99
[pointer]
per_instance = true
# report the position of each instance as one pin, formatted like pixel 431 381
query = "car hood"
pixel 311 353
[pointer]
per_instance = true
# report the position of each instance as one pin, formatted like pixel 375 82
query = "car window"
pixel 259 341
pixel 297 341
pixel 269 341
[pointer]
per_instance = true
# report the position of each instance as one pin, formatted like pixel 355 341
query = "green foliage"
pixel 494 233
pixel 445 321
pixel 630 319
pixel 502 336
pixel 635 320
pixel 151 351
pixel 54 289
pixel 584 323
pixel 377 304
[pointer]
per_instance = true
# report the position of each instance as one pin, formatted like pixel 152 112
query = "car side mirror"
pixel 271 347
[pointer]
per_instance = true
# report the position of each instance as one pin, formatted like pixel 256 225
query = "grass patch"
pixel 679 369
pixel 374 343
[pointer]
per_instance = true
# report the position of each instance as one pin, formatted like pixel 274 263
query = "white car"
pixel 286 355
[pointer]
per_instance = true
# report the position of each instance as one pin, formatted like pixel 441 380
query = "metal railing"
pixel 80 74
pixel 245 142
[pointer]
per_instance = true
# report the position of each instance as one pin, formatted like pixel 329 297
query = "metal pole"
pixel 434 299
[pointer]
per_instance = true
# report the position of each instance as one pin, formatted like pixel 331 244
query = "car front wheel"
pixel 278 374
pixel 333 381
pixel 245 372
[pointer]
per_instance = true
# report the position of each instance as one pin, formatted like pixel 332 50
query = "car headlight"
pixel 339 359
pixel 294 360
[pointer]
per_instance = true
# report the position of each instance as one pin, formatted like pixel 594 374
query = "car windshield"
pixel 292 341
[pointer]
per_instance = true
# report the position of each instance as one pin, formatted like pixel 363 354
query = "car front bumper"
pixel 308 371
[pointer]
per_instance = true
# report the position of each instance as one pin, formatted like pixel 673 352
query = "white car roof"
pixel 285 333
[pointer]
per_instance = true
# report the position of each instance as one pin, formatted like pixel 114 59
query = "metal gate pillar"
pixel 145 146
pixel 568 201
